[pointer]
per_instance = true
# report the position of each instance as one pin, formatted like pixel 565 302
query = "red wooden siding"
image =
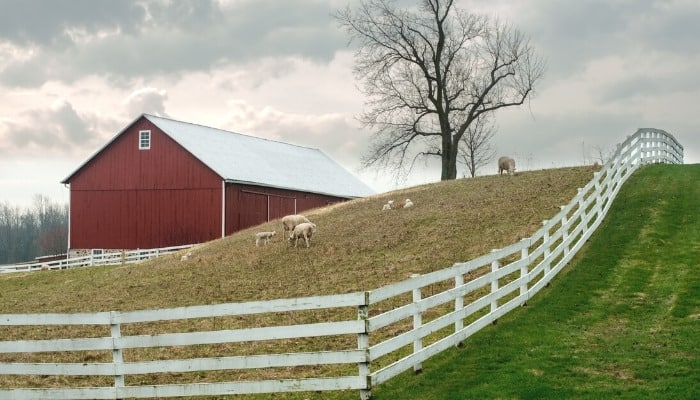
pixel 131 219
pixel 127 198
pixel 248 205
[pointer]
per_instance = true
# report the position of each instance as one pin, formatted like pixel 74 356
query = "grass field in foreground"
pixel 622 320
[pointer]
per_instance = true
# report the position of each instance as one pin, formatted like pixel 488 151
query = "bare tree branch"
pixel 475 150
pixel 431 75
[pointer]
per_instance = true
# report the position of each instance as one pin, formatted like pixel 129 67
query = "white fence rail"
pixel 106 257
pixel 376 334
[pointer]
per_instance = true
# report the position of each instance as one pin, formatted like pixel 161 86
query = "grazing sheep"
pixel 290 221
pixel 186 256
pixel 506 164
pixel 391 205
pixel 264 237
pixel 305 230
pixel 403 204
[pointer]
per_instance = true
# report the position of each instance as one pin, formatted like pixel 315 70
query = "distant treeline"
pixel 29 232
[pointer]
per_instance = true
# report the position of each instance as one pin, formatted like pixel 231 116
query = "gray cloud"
pixel 127 40
pixel 572 33
pixel 147 101
pixel 49 23
pixel 57 127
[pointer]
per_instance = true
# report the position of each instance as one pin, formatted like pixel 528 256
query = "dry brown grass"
pixel 357 247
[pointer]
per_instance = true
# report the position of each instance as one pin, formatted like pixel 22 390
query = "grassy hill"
pixel 357 247
pixel 622 321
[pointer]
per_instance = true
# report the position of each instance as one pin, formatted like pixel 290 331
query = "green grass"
pixel 622 320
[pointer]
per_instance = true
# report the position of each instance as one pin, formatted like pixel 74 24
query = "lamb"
pixel 391 205
pixel 264 237
pixel 403 204
pixel 305 230
pixel 290 221
pixel 506 164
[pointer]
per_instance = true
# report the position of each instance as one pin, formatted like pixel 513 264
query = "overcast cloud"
pixel 74 73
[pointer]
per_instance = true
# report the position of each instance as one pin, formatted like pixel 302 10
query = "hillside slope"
pixel 358 247
pixel 622 320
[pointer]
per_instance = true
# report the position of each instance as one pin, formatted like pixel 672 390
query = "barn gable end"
pixel 128 198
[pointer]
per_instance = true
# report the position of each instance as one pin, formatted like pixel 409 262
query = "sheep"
pixel 403 204
pixel 186 256
pixel 264 237
pixel 290 221
pixel 305 230
pixel 391 205
pixel 506 164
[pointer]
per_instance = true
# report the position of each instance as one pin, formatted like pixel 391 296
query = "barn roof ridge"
pixel 238 157
pixel 149 116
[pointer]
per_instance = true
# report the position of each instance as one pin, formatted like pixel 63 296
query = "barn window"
pixel 144 140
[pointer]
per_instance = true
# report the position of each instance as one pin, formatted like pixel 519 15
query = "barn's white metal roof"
pixel 247 159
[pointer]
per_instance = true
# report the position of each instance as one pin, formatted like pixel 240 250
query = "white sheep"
pixel 290 221
pixel 305 230
pixel 403 204
pixel 264 237
pixel 391 205
pixel 186 256
pixel 506 164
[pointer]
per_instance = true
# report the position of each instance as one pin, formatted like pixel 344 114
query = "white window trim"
pixel 141 141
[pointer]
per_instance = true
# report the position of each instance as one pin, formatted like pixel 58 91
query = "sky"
pixel 74 73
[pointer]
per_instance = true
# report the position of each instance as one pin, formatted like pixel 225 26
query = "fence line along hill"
pixel 621 321
pixel 357 247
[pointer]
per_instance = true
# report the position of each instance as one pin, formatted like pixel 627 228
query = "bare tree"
pixel 601 155
pixel 27 233
pixel 475 148
pixel 430 73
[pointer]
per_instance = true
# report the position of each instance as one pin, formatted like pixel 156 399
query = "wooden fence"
pixel 106 257
pixel 364 339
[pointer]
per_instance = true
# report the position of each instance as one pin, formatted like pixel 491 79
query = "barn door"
pixel 281 206
pixel 253 209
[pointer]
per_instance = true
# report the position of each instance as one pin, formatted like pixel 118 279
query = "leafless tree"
pixel 475 148
pixel 601 155
pixel 429 73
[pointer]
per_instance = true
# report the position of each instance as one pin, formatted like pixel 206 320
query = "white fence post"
pixel 495 264
pixel 363 344
pixel 565 232
pixel 117 357
pixel 459 304
pixel 524 254
pixel 547 249
pixel 417 322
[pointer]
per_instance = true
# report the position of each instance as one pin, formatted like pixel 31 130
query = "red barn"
pixel 161 182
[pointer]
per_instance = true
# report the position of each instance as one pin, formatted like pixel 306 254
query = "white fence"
pixel 366 337
pixel 106 257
